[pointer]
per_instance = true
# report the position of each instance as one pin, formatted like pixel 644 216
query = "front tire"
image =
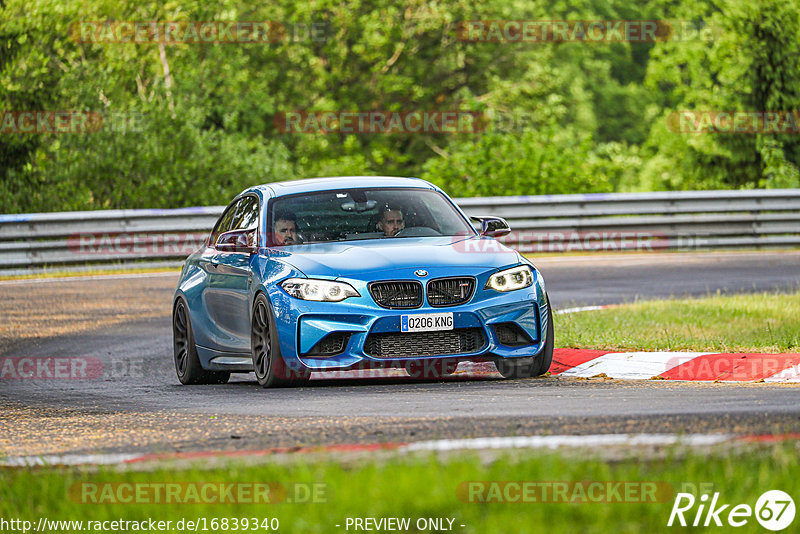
pixel 534 366
pixel 187 364
pixel 269 366
pixel 542 364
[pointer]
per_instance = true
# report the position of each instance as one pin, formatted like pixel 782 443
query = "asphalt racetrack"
pixel 136 404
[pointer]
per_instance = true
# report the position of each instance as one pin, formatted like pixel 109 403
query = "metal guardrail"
pixel 681 220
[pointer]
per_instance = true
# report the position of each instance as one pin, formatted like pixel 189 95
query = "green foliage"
pixel 170 162
pixel 548 161
pixel 749 60
pixel 565 117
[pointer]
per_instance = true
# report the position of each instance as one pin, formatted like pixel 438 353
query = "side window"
pixel 224 222
pixel 246 217
pixel 243 215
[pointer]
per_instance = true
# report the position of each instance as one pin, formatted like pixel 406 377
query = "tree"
pixel 744 59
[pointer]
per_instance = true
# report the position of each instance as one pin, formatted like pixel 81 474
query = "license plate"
pixel 426 322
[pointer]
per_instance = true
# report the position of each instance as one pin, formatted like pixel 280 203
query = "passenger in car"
pixel 391 221
pixel 284 231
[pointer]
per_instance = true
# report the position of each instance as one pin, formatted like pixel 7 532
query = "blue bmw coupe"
pixel 354 273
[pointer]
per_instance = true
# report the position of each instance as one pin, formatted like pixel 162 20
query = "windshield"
pixel 354 214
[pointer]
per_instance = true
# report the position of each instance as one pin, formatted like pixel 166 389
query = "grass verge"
pixel 421 487
pixel 761 322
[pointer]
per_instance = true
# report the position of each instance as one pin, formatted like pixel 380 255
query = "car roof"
pixel 309 185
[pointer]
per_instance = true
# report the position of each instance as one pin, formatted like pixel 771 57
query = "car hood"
pixel 353 259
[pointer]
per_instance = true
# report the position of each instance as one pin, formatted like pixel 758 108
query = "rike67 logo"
pixel 774 510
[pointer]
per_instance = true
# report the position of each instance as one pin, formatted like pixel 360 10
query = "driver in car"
pixel 284 231
pixel 391 222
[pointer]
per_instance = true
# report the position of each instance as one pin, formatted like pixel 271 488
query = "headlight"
pixel 511 279
pixel 319 290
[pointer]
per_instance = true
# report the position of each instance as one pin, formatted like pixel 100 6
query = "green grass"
pixel 427 487
pixel 762 322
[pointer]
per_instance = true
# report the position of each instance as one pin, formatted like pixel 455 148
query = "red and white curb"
pixel 597 441
pixel 694 366
pixel 587 363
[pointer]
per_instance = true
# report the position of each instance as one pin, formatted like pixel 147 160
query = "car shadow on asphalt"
pixel 249 380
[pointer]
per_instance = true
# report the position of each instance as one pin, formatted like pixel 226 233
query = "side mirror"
pixel 492 226
pixel 237 241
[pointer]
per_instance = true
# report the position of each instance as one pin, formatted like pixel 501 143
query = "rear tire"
pixel 269 366
pixel 533 366
pixel 187 364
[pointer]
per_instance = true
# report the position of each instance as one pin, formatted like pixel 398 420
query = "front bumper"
pixel 302 325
